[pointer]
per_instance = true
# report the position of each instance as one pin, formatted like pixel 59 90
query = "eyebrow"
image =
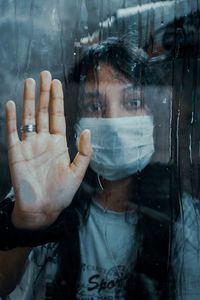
pixel 130 87
pixel 127 88
pixel 91 95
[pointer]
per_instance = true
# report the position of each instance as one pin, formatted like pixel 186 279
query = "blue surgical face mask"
pixel 121 146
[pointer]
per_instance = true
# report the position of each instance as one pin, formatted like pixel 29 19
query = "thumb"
pixel 82 159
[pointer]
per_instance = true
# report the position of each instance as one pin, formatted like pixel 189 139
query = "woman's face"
pixel 109 94
pixel 122 136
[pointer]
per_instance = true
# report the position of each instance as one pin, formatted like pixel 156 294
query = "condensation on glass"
pixel 52 35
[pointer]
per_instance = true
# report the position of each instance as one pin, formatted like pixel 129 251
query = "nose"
pixel 112 110
pixel 112 100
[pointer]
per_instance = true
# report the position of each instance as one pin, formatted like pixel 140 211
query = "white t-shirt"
pixel 107 253
pixel 107 256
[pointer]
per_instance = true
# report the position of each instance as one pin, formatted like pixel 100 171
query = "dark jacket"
pixel 154 194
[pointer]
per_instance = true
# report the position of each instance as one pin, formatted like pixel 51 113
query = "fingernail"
pixel 87 134
pixel 46 75
pixel 10 104
pixel 56 83
pixel 30 82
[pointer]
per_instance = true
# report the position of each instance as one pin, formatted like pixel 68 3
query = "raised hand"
pixel 43 177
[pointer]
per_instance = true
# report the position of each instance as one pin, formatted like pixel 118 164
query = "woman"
pixel 114 240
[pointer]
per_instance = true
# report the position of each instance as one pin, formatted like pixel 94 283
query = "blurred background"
pixel 37 35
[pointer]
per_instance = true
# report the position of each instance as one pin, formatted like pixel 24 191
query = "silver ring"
pixel 28 128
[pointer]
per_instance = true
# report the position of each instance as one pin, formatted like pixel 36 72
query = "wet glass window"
pixel 99 149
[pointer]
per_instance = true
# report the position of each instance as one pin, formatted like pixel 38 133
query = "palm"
pixel 44 168
pixel 43 177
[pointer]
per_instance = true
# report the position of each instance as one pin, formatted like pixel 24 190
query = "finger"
pixel 56 109
pixel 12 135
pixel 28 110
pixel 42 117
pixel 84 154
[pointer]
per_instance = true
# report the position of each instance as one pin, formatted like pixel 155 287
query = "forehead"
pixel 105 74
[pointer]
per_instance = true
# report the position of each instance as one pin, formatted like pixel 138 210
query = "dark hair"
pixel 155 192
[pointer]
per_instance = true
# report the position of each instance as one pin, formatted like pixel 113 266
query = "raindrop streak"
pixel 175 121
pixel 123 20
pixel 190 147
pixel 152 24
pixel 162 13
pixel 61 39
pixel 101 21
pixel 139 25
pixel 147 28
pixel 124 4
pixel 28 57
pixel 78 20
pixel 16 39
pixel 171 125
pixel 194 128
pixel 109 16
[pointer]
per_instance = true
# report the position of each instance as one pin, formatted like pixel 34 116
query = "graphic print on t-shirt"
pixel 107 284
pixel 108 253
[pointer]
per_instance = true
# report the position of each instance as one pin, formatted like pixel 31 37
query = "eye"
pixel 92 107
pixel 133 103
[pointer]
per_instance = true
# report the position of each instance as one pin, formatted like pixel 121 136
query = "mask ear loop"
pixel 105 232
pixel 99 181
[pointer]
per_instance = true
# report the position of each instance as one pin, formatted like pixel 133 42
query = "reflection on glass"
pixel 124 222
